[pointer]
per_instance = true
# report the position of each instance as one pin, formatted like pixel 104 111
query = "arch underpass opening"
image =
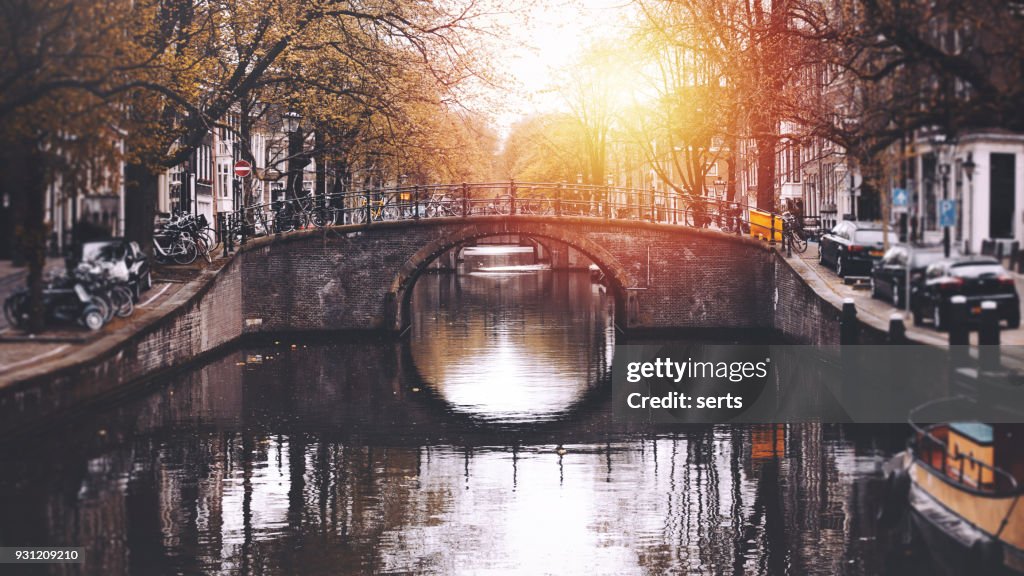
pixel 505 336
pixel 551 253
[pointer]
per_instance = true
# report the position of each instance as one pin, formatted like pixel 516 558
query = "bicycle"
pixel 730 220
pixel 792 233
pixel 697 212
pixel 176 246
pixel 536 206
pixel 312 210
pixel 443 204
pixel 197 228
pixel 380 208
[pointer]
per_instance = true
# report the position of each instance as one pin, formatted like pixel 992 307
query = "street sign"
pixel 899 197
pixel 947 213
pixel 242 169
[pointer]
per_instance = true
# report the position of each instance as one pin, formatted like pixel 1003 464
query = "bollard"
pixel 959 333
pixel 988 337
pixel 897 330
pixel 848 329
pixel 223 225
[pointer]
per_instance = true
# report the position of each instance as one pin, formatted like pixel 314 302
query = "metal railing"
pixel 375 205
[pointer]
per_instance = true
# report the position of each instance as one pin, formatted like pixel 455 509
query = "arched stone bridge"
pixel 356 277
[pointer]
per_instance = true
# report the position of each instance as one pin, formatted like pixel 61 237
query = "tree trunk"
pixel 766 171
pixel 730 163
pixel 31 179
pixel 141 184
pixel 13 166
pixel 320 187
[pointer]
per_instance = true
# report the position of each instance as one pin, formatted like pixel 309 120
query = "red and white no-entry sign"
pixel 242 168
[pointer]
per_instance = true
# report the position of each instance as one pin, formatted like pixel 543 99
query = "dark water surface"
pixel 484 444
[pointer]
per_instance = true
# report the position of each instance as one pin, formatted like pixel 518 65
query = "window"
pixel 224 180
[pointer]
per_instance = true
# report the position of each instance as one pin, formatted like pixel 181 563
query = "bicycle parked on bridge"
pixel 793 235
pixel 197 228
pixel 698 211
pixel 379 205
pixel 443 204
pixel 172 245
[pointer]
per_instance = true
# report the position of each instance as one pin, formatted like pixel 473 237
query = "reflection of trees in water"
pixel 321 460
pixel 253 500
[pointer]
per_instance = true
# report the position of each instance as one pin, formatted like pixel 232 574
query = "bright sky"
pixel 543 38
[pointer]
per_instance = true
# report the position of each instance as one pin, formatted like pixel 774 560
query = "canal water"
pixel 483 443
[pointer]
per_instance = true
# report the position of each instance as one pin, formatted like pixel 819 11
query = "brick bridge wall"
pixel 661 276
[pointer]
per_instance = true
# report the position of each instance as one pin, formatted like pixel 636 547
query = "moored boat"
pixel 961 484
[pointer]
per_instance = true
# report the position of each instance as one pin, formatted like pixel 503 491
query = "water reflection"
pixel 340 458
pixel 517 346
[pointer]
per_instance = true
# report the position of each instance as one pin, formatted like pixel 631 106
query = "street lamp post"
pixel 969 167
pixel 940 143
pixel 944 172
pixel 291 121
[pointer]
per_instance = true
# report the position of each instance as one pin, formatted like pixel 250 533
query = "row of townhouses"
pixel 204 184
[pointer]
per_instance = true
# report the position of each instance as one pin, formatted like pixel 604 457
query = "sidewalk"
pixel 12 278
pixel 19 350
pixel 878 312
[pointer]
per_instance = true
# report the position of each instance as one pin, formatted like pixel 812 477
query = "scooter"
pixel 71 302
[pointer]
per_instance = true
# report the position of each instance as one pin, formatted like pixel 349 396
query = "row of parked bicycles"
pixel 106 278
pixel 183 238
pixel 379 206
pixel 107 281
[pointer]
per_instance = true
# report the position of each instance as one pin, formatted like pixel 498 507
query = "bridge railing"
pixel 374 205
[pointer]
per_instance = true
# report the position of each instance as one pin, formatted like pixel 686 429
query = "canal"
pixel 483 443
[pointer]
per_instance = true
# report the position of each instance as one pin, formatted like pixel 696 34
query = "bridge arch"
pixel 357 277
pixel 399 294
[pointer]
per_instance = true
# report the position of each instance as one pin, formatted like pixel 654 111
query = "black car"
pixel 977 278
pixel 124 259
pixel 851 248
pixel 889 275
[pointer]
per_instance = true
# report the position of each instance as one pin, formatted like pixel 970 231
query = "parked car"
pixel 851 248
pixel 889 275
pixel 977 278
pixel 125 260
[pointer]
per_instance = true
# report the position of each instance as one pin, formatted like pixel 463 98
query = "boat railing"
pixel 934 452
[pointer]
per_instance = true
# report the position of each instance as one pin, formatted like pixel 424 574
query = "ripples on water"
pixel 484 445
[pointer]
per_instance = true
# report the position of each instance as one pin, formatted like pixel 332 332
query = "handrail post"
pixel 771 235
pixel 607 202
pixel 787 240
pixel 558 199
pixel 654 191
pixel 512 197
pixel 369 213
pixel 416 202
pixel 465 200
